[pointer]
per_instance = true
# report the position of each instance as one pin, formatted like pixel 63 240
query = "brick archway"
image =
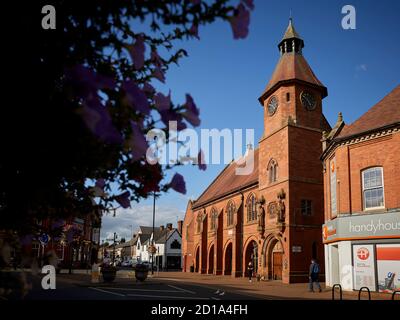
pixel 272 254
pixel 228 259
pixel 250 254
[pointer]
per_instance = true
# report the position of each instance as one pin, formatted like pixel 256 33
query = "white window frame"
pixel 363 190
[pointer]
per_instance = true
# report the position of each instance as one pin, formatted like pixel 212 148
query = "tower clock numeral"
pixel 308 100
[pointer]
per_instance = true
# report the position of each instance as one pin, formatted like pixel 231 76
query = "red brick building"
pixel 273 216
pixel 362 199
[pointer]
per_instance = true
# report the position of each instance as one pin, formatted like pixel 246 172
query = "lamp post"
pixel 152 240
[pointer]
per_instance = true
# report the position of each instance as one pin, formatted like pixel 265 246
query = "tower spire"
pixel 291 41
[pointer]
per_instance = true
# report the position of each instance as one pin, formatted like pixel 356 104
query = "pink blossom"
pixel 240 22
pixel 178 183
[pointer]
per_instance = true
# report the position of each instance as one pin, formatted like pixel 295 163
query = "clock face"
pixel 308 100
pixel 272 105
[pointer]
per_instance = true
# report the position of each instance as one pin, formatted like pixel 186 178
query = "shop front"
pixel 363 251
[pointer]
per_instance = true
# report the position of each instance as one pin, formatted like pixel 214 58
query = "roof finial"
pixel 290 15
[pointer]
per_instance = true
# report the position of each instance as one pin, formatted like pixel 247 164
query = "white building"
pixel 168 243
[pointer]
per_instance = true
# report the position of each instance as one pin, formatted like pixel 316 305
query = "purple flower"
pixel 100 183
pixel 137 142
pixel 192 112
pixel 137 52
pixel 158 73
pixel 178 183
pixel 148 88
pixel 194 30
pixel 86 80
pixel 169 115
pixel 123 199
pixel 156 58
pixel 249 4
pixel 201 161
pixel 98 120
pixel 136 97
pixel 162 102
pixel 240 22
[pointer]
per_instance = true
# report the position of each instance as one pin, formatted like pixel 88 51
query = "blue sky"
pixel 226 76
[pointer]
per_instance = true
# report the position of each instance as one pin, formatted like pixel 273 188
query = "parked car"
pixel 126 263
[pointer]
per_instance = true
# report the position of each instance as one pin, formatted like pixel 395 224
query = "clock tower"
pixel 290 170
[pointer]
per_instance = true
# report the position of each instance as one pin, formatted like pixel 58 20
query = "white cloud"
pixel 129 219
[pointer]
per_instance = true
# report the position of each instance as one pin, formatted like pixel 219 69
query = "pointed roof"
pixel 228 182
pixel 385 113
pixel 290 32
pixel 292 67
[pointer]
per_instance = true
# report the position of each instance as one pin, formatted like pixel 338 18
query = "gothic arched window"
pixel 272 171
pixel 251 208
pixel 230 212
pixel 214 217
pixel 198 225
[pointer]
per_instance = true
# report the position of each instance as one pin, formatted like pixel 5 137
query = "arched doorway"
pixel 228 260
pixel 211 260
pixel 276 259
pixel 251 254
pixel 196 269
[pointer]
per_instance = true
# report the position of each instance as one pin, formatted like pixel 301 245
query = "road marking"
pixel 181 289
pixel 170 279
pixel 165 297
pixel 114 293
pixel 132 289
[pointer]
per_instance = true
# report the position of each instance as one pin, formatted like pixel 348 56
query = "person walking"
pixel 314 275
pixel 250 269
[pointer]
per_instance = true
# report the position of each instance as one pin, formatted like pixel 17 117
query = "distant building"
pixel 167 242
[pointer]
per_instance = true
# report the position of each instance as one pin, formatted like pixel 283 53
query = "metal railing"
pixel 394 293
pixel 361 290
pixel 340 291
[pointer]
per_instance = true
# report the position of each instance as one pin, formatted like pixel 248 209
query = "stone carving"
pixel 281 206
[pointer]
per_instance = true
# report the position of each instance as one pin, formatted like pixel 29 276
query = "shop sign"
pixel 364 266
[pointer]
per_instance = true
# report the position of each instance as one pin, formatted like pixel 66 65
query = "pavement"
pixel 179 286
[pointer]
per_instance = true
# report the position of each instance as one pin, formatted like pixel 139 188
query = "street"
pixel 79 287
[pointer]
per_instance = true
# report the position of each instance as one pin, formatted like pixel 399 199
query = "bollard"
pixel 333 291
pixel 96 273
pixel 361 289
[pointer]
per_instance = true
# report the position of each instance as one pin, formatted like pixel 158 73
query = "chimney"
pixel 169 226
pixel 161 228
pixel 180 224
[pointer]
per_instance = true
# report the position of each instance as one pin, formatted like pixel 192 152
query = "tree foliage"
pixel 81 101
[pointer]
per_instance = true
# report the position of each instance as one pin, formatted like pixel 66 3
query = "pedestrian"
pixel 314 275
pixel 250 270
